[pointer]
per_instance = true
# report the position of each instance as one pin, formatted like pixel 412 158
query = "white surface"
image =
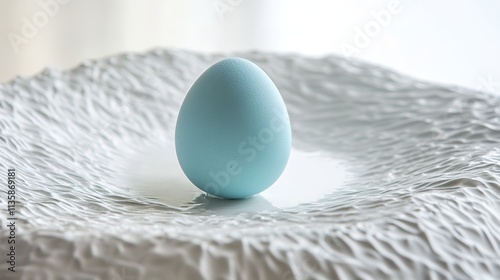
pixel 412 172
pixel 308 177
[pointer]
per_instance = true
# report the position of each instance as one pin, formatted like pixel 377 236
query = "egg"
pixel 233 135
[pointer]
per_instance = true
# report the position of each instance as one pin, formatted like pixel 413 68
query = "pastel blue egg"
pixel 233 135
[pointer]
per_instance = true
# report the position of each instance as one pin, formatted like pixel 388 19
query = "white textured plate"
pixel 389 177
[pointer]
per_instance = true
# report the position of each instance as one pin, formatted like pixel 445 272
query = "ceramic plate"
pixel 389 177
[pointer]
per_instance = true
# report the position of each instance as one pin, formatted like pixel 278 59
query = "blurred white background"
pixel 448 41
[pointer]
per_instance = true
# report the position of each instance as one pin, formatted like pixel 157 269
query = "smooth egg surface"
pixel 233 134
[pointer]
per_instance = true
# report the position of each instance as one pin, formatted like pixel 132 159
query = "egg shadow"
pixel 155 173
pixel 229 207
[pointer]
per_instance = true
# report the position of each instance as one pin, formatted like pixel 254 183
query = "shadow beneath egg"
pixel 221 206
pixel 155 173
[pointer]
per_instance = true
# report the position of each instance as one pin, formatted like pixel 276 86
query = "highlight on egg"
pixel 233 134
